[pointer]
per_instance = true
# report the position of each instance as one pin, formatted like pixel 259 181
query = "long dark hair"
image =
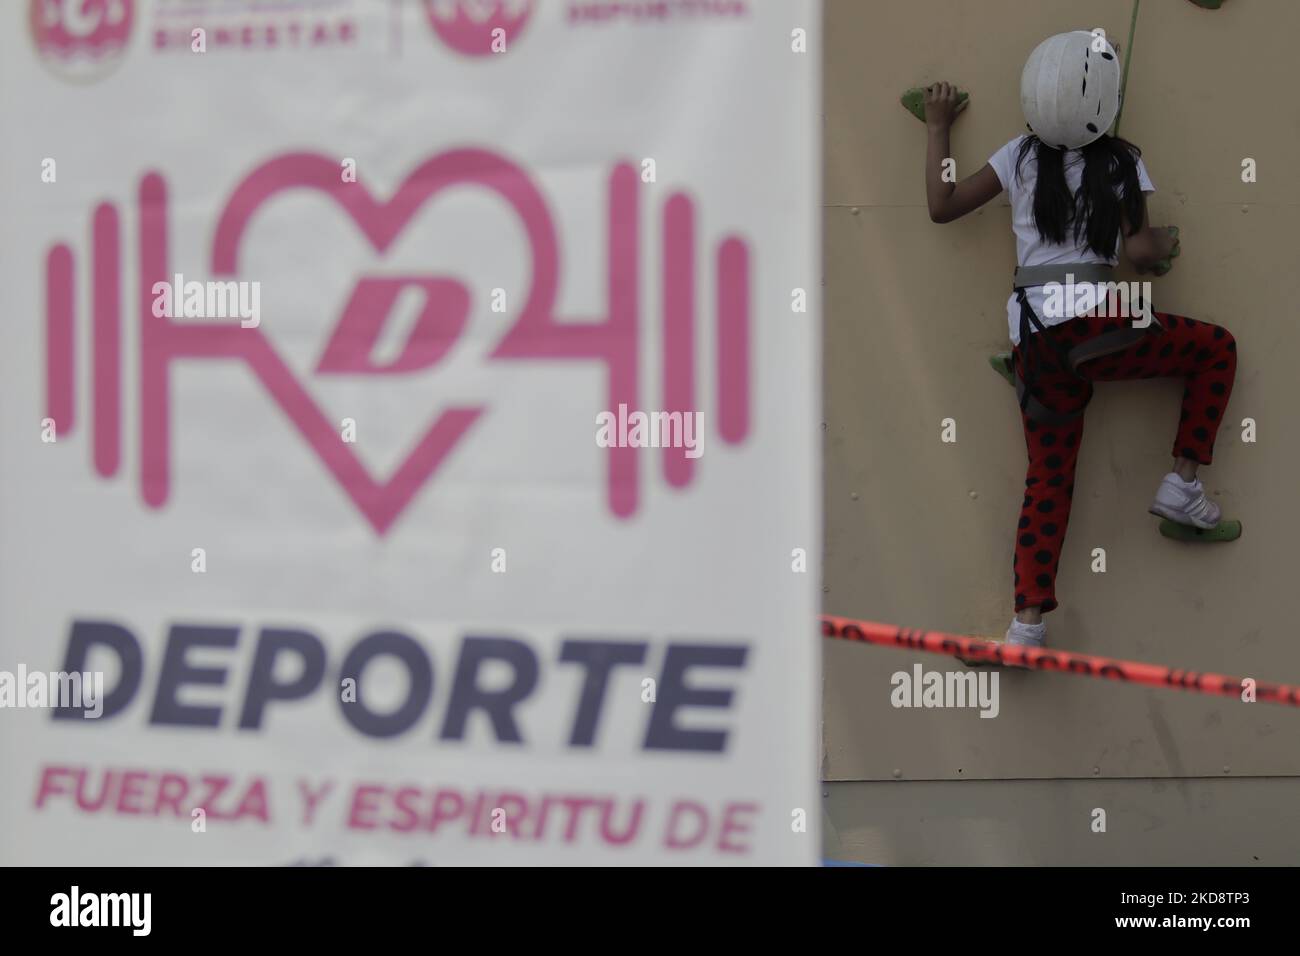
pixel 1109 188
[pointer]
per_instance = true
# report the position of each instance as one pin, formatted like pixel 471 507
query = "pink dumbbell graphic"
pixel 537 334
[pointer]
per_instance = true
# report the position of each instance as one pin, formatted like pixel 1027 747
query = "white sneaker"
pixel 1185 503
pixel 1027 635
pixel 1021 635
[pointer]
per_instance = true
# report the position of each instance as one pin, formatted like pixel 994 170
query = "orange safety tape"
pixel 1066 662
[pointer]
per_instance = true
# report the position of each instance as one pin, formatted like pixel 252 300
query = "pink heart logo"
pixel 382 502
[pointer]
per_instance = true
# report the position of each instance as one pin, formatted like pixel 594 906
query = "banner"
pixel 409 432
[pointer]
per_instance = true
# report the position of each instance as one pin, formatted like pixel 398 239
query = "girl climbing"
pixel 1074 191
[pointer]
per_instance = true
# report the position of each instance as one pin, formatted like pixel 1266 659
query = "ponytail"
pixel 1108 194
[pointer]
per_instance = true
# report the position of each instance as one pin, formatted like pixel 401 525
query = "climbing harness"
pixel 1107 343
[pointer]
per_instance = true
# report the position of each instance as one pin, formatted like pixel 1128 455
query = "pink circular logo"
pixel 81 39
pixel 478 27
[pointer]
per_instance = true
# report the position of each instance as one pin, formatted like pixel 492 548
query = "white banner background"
pixel 729 114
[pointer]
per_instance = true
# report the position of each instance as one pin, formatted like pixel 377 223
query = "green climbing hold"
pixel 1167 263
pixel 914 101
pixel 1209 4
pixel 1228 529
pixel 1002 364
pixel 990 661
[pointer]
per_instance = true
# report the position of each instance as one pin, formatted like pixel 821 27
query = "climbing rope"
pixel 1128 61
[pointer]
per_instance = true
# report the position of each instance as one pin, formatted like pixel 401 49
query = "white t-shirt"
pixel 1030 249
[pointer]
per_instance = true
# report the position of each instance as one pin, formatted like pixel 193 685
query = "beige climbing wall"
pixel 920 533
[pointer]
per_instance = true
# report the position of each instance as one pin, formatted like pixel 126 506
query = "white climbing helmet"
pixel 1070 89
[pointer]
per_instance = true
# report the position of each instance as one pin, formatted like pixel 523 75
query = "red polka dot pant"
pixel 1202 354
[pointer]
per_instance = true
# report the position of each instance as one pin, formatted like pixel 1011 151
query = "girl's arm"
pixel 949 201
pixel 1146 245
